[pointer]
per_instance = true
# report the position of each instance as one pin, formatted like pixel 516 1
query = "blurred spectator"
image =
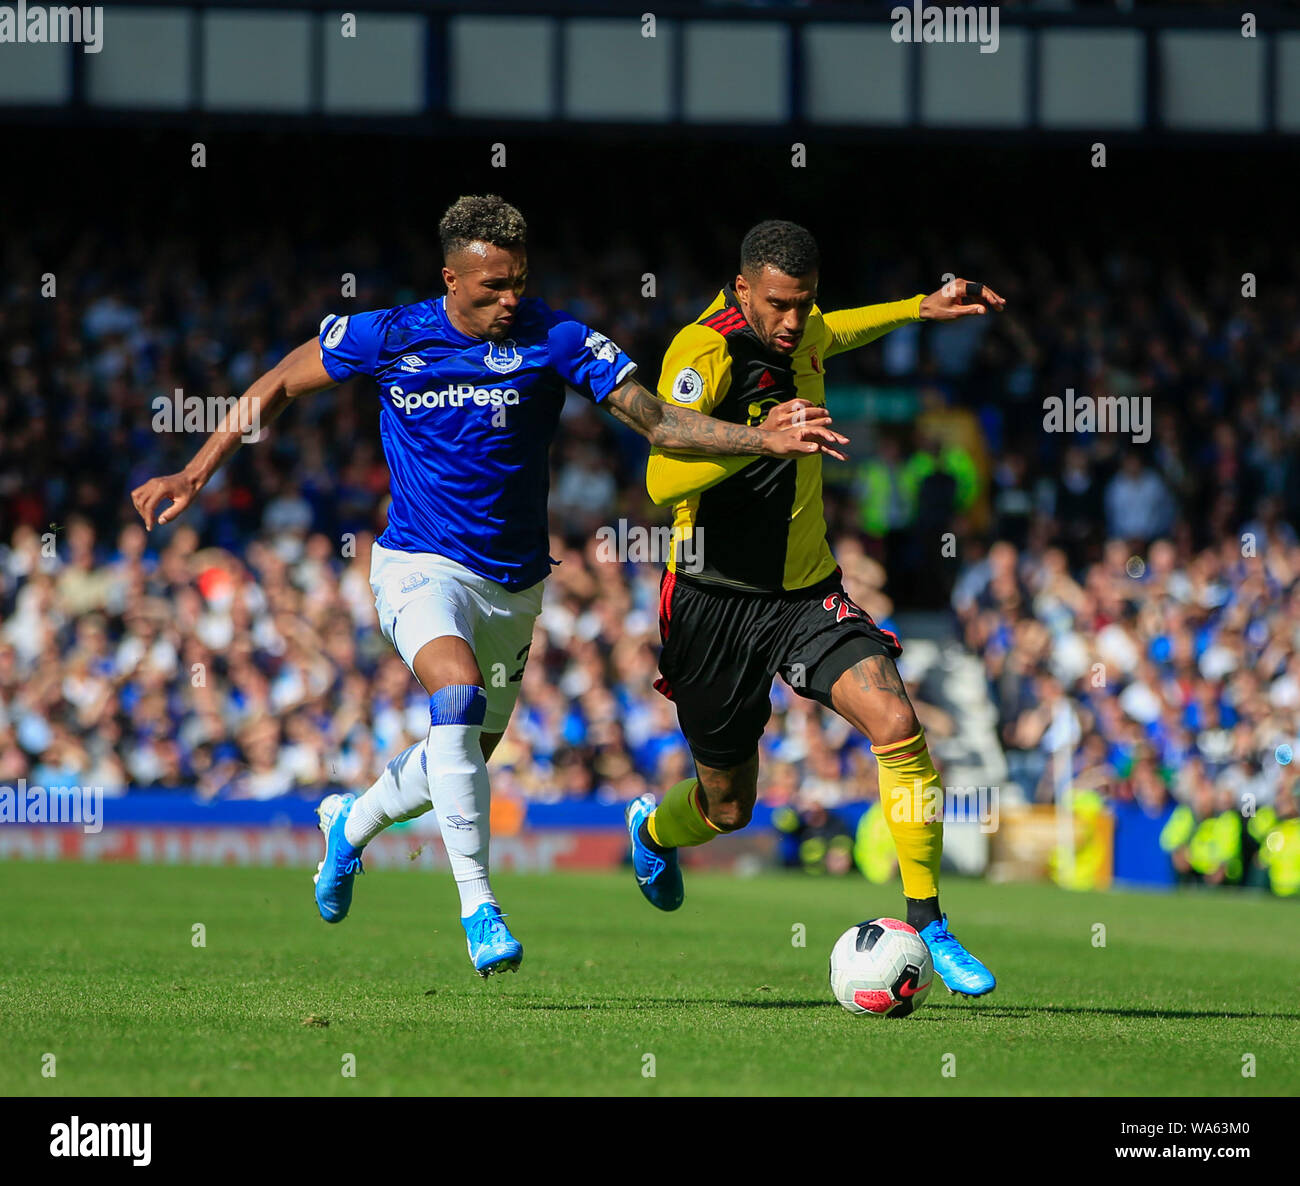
pixel 813 839
pixel 1138 506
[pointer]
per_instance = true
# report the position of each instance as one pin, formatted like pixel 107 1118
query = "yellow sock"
pixel 912 799
pixel 679 821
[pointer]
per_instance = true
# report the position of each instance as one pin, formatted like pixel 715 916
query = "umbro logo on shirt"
pixel 412 363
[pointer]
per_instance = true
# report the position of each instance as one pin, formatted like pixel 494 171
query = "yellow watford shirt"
pixel 753 522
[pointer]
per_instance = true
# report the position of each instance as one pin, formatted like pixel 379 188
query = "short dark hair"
pixel 481 218
pixel 788 247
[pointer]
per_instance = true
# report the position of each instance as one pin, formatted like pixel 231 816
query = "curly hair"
pixel 481 218
pixel 786 246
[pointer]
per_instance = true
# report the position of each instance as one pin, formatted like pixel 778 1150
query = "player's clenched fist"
pixel 174 488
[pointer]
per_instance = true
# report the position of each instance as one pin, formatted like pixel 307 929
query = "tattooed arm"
pixel 684 431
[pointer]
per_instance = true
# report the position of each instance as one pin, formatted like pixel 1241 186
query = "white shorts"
pixel 421 596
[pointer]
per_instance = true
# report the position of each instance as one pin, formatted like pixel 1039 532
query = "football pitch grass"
pixel 99 967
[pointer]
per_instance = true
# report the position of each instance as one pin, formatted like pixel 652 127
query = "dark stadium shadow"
pixel 622 1003
pixel 922 1015
pixel 949 1008
pixel 1090 1010
pixel 818 1004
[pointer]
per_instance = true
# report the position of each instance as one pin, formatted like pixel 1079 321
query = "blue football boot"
pixel 961 971
pixel 342 862
pixel 492 947
pixel 660 877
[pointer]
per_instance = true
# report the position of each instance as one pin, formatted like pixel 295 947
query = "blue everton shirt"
pixel 467 424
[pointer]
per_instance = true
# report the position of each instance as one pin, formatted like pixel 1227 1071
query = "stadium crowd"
pixel 1141 597
pixel 263 673
pixel 237 651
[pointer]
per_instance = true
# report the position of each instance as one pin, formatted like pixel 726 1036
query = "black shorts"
pixel 721 648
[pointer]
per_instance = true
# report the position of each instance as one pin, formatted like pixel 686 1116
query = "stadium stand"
pixel 236 652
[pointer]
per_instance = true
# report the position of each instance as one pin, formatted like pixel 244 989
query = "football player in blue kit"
pixel 470 390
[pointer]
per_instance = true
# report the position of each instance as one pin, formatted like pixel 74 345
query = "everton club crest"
pixel 503 357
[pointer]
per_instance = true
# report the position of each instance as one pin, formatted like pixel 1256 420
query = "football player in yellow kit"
pixel 752 588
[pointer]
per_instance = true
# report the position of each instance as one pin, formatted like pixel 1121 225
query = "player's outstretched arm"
pixel 850 328
pixel 683 431
pixel 300 372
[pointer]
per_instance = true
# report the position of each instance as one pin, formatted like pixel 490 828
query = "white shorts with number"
pixel 421 596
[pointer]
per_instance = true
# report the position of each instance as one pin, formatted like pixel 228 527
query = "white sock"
pixel 458 786
pixel 401 793
pixel 473 894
